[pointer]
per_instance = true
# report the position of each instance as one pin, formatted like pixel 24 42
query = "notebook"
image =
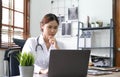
pixel 68 63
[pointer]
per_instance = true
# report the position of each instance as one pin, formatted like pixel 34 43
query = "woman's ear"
pixel 41 26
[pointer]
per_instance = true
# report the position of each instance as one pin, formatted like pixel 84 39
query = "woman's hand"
pixel 45 71
pixel 53 42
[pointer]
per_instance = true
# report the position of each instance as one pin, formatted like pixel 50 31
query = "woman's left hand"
pixel 53 42
pixel 45 71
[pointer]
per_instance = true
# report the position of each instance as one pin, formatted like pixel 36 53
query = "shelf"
pixel 96 28
pixel 109 48
pixel 96 47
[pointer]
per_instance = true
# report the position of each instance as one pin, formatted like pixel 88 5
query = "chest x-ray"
pixel 66 28
pixel 73 13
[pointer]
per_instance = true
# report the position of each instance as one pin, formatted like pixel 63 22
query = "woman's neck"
pixel 46 39
pixel 46 42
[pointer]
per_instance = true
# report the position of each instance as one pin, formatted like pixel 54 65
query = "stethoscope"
pixel 38 44
pixel 36 48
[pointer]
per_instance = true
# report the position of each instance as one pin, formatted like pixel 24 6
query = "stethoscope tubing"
pixel 38 44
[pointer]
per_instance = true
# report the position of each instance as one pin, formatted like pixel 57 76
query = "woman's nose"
pixel 52 30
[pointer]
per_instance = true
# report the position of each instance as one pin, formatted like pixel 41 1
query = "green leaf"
pixel 25 59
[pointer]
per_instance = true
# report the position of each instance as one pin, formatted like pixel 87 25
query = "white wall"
pixel 96 9
pixel 38 8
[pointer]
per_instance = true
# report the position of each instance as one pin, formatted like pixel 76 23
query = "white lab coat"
pixel 41 56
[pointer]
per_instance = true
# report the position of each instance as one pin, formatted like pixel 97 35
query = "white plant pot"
pixel 97 25
pixel 26 71
pixel 92 25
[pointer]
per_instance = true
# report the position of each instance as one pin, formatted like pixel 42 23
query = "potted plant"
pixel 26 65
pixel 92 24
pixel 99 23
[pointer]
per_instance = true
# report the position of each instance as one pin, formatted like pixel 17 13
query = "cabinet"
pixel 100 39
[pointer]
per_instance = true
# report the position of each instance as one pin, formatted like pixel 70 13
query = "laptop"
pixel 68 63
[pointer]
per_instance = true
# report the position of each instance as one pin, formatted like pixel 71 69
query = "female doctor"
pixel 40 46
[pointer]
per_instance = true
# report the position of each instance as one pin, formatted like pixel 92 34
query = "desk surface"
pixel 114 74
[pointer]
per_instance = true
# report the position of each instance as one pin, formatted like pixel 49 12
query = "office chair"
pixel 10 61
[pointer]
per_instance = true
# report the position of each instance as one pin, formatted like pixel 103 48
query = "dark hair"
pixel 49 17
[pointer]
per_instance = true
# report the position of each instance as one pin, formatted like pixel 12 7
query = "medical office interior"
pixel 88 13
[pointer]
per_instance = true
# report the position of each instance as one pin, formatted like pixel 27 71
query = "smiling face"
pixel 50 29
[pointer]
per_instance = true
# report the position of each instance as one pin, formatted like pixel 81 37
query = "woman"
pixel 40 46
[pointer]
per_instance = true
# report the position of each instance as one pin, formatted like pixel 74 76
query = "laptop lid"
pixel 68 63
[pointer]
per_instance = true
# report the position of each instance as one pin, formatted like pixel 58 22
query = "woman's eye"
pixel 50 27
pixel 56 27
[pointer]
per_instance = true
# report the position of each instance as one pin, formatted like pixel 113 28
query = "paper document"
pixel 103 68
pixel 98 72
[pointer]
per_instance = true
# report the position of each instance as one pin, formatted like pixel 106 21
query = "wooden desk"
pixel 114 74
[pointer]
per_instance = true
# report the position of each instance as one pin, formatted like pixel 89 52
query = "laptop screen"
pixel 68 63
